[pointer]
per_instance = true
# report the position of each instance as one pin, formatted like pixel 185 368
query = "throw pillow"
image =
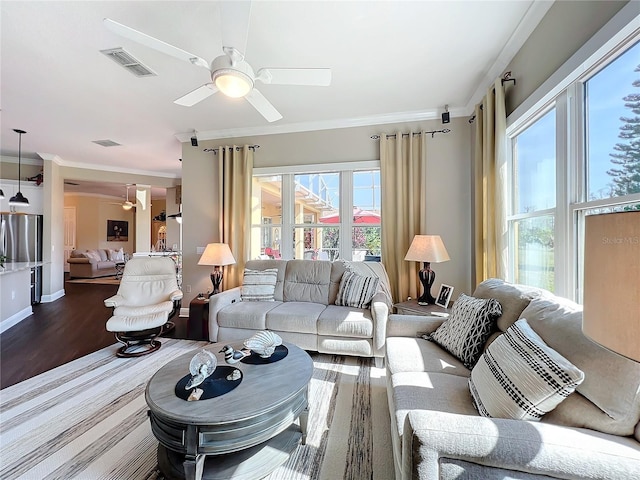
pixel 93 255
pixel 356 290
pixel 259 285
pixel 116 255
pixel 521 377
pixel 465 333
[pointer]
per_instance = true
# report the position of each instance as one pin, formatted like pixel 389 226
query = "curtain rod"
pixel 215 150
pixel 505 78
pixel 393 135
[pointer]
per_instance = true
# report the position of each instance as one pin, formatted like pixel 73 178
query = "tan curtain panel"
pixel 403 186
pixel 235 176
pixel 490 160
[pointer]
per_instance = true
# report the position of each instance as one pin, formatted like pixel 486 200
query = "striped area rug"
pixel 88 420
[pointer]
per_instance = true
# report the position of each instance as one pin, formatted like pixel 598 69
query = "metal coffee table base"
pixel 249 464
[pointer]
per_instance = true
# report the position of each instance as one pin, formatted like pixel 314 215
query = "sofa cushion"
pixel 306 281
pixel 104 257
pixel 295 317
pixel 407 354
pixel 259 285
pixel 250 315
pixel 512 297
pixel 429 391
pixel 77 254
pixel 558 321
pixel 521 377
pixel 471 322
pixel 104 265
pixel 345 322
pixel 356 290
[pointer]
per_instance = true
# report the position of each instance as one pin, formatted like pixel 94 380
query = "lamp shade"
pixel 427 248
pixel 217 254
pixel 611 315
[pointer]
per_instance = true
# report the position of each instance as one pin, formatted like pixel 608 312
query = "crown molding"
pixel 23 160
pixel 525 28
pixel 108 168
pixel 397 117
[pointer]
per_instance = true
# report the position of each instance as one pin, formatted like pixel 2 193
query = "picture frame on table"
pixel 444 295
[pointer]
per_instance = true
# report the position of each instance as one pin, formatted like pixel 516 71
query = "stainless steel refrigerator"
pixel 21 241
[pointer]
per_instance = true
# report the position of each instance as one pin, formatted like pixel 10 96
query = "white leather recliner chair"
pixel 147 298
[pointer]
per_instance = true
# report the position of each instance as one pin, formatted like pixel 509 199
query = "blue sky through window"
pixel 605 106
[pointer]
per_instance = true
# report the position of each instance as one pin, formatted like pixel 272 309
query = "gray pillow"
pixel 471 322
pixel 356 290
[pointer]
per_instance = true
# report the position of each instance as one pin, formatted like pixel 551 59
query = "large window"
pixel 576 154
pixel 533 196
pixel 318 215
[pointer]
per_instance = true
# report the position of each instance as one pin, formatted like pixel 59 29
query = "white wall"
pixel 448 192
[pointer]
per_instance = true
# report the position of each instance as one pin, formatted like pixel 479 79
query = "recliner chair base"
pixel 137 344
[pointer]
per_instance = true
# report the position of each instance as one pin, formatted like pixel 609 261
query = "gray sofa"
pixel 304 310
pixel 438 434
pixel 91 264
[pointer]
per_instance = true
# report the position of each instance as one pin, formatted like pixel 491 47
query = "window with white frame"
pixel 326 213
pixel 578 154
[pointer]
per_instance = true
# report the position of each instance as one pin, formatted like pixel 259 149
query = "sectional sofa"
pixel 437 432
pixel 302 308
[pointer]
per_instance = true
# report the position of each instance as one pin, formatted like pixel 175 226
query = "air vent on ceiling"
pixel 129 62
pixel 106 143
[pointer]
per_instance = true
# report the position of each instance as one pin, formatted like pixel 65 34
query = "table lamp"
pixel 427 249
pixel 611 299
pixel 217 255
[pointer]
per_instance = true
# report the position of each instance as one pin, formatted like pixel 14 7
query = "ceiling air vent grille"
pixel 106 143
pixel 129 62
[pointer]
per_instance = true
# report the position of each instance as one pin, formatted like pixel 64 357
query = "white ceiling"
pixel 390 60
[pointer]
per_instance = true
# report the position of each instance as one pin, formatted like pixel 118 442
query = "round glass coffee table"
pixel 245 433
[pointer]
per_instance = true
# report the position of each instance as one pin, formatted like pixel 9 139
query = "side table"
pixel 411 307
pixel 198 323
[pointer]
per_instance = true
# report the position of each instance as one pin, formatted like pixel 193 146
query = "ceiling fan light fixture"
pixel 232 83
pixel 127 206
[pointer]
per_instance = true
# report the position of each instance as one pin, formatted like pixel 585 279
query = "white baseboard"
pixel 9 322
pixel 53 297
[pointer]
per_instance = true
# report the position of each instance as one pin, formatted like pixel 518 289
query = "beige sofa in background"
pixel 304 310
pixel 91 264
pixel 438 434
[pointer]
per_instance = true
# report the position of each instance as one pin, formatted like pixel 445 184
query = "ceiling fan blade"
pixel 295 76
pixel 148 41
pixel 235 17
pixel 197 95
pixel 263 106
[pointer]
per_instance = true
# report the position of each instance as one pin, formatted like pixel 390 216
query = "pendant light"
pixel 19 200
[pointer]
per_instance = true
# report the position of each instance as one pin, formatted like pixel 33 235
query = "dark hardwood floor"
pixel 61 331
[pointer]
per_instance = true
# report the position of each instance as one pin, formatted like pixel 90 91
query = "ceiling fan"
pixel 230 73
pixel 126 205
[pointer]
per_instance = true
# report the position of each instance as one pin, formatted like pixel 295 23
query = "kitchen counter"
pixel 10 267
pixel 16 289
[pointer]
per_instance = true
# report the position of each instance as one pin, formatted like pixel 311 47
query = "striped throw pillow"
pixel 259 285
pixel 521 377
pixel 356 290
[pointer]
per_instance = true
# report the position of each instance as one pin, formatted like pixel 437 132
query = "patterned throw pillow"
pixel 521 377
pixel 356 290
pixel 259 285
pixel 471 322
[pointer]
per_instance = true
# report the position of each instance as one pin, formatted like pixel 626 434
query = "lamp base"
pixel 427 277
pixel 216 280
